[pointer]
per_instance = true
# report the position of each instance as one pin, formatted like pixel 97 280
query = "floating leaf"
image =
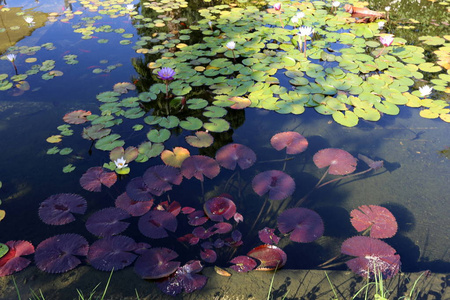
pixel 109 142
pixel 54 139
pixel 158 136
pixel 200 140
pixel 175 158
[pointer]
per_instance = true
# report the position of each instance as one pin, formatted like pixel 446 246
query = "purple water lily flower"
pixel 166 74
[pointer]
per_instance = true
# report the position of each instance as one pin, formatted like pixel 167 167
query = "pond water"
pixel 84 52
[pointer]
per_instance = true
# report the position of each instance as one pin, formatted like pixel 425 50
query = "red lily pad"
pixel 58 209
pixel 13 261
pixel 271 257
pixel 379 219
pixel 277 184
pixel 243 263
pixel 235 154
pixel 156 263
pixel 293 141
pixel 155 224
pixel 94 177
pixel 197 218
pixel 134 208
pixel 340 162
pixel 373 257
pixel 219 208
pixel 198 166
pixel 305 225
pixel 76 117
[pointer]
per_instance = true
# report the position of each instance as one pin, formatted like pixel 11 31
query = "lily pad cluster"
pixel 345 74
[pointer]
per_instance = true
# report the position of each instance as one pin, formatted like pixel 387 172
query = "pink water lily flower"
pixel 277 6
pixel 387 40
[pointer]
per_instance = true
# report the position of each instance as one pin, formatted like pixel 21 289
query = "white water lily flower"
pixel 294 20
pixel 231 45
pixel 11 57
pixel 130 6
pixel 381 25
pixel 300 15
pixel 120 163
pixel 425 90
pixel 29 19
pixel 387 8
pixel 306 30
pixel 336 3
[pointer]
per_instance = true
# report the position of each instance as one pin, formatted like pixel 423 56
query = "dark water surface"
pixel 414 185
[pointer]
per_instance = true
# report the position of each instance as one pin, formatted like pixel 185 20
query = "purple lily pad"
pixel 189 238
pixel 112 253
pixel 134 208
pixel 57 209
pixel 155 223
pixel 278 184
pixel 138 191
pixel 58 253
pixel 305 225
pixel 203 233
pixel 293 141
pixel 161 177
pixel 235 154
pixel 156 263
pixel 94 177
pixel 198 166
pixel 373 257
pixel 184 279
pixel 107 222
pixel 243 263
pixel 268 236
pixel 13 261
pixel 220 208
pixel 340 162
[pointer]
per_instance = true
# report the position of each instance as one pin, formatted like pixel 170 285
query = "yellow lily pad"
pixel 175 158
pixel 54 139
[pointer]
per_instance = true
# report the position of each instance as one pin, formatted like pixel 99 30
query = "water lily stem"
pixel 305 47
pixel 347 176
pixel 379 54
pixel 259 214
pixel 234 56
pixel 299 202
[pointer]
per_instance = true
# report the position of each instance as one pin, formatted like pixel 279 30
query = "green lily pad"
pixel 109 142
pixel 429 67
pixel 348 119
pixel 3 249
pixel 214 112
pixel 191 123
pixel 65 151
pixel 108 96
pixel 158 136
pixel 53 150
pixel 387 108
pixel 201 139
pixel 196 103
pixel 95 132
pixel 69 168
pixel 169 122
pixel 217 125
pixel 148 150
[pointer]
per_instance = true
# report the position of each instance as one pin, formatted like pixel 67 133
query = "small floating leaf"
pixel 69 168
pixel 158 136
